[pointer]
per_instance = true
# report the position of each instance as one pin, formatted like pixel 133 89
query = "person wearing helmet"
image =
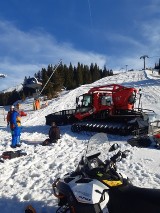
pixel 14 120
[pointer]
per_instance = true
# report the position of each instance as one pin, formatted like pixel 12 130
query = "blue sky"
pixel 115 33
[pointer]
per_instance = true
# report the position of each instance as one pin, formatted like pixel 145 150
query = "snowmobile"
pixel 96 186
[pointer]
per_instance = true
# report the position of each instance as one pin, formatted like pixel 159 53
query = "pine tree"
pixel 79 74
pixel 87 78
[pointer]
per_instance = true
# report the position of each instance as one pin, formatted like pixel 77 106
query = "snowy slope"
pixel 28 180
pixel 11 89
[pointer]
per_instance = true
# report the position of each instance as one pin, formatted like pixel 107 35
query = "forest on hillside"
pixel 53 81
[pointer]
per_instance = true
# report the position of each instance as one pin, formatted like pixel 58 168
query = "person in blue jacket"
pixel 15 126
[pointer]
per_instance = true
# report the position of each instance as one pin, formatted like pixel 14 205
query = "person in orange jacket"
pixel 36 104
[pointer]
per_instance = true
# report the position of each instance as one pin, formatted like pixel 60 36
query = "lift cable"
pixel 54 69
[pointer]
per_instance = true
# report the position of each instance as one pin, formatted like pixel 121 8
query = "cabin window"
pixel 86 100
pixel 106 100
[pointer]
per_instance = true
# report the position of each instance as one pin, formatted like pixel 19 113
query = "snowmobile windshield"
pixel 96 143
pixel 91 156
pixel 98 147
pixel 97 153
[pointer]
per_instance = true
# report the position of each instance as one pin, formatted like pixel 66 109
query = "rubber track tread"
pixel 123 130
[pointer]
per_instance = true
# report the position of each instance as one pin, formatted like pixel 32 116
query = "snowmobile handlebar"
pixel 119 156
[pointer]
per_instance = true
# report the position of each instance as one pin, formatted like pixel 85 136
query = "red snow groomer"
pixel 106 101
pixel 109 108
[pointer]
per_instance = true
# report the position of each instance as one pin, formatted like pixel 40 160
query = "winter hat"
pixel 12 107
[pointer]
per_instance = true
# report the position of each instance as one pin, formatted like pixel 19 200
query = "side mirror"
pixel 125 153
pixel 114 147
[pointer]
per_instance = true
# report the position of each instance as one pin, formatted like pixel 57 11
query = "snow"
pixel 28 179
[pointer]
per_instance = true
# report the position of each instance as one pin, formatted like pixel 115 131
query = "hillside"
pixel 28 180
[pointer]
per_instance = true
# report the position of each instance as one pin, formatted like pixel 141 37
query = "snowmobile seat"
pixel 131 199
